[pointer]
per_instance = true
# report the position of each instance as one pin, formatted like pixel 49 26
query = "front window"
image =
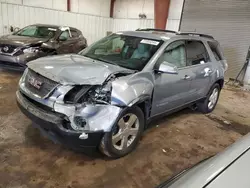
pixel 37 31
pixel 174 54
pixel 64 35
pixel 125 51
pixel 183 53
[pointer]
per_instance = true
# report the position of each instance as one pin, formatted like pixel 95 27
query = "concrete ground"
pixel 170 145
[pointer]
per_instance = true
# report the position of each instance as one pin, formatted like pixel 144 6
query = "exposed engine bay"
pixel 99 94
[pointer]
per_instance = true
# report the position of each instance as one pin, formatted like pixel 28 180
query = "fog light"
pixel 80 121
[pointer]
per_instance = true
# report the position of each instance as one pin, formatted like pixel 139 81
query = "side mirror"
pixel 168 68
pixel 62 38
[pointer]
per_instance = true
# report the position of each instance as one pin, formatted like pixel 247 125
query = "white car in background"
pixel 228 169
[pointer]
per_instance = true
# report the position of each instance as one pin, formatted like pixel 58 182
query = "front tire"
pixel 124 135
pixel 211 100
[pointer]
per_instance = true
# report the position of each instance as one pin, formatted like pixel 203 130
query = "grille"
pixel 5 48
pixel 39 84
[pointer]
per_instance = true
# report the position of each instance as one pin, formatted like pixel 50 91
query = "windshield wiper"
pixel 101 59
pixel 106 61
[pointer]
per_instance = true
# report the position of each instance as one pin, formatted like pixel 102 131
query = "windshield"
pixel 37 31
pixel 125 51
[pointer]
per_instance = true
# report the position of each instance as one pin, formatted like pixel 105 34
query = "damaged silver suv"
pixel 105 96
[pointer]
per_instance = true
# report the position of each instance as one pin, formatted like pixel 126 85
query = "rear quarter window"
pixel 215 48
pixel 196 53
pixel 74 34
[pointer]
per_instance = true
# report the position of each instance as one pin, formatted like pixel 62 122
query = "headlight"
pixel 76 94
pixel 89 94
pixel 31 50
pixel 102 94
pixel 23 76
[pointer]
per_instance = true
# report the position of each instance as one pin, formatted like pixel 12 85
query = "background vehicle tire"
pixel 125 134
pixel 210 102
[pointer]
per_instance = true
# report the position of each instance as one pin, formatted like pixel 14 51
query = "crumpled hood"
pixel 75 69
pixel 20 40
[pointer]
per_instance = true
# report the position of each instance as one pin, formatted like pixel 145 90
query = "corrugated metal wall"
pixel 227 20
pixel 174 15
pixel 131 24
pixel 93 27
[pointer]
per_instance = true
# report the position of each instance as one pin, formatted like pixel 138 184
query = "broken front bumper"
pixel 54 126
pixel 18 62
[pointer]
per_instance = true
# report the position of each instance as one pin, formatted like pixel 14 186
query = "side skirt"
pixel 171 111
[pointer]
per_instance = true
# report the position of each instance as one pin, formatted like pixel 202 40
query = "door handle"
pixel 186 77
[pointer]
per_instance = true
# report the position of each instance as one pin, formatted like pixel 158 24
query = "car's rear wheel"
pixel 210 102
pixel 124 135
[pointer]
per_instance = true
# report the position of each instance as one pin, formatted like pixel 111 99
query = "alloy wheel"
pixel 213 98
pixel 125 132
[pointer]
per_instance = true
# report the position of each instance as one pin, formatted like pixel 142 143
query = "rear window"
pixel 196 53
pixel 216 50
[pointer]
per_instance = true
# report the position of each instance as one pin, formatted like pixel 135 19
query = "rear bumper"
pixel 52 125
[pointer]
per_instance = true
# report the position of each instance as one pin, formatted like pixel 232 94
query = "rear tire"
pixel 211 100
pixel 124 135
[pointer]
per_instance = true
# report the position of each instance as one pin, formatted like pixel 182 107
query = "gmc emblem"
pixel 32 81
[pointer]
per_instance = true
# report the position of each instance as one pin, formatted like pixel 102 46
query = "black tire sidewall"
pixel 107 139
pixel 204 106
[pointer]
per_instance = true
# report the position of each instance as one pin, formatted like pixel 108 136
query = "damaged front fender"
pixel 129 90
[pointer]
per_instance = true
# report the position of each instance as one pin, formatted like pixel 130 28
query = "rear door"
pixel 172 90
pixel 78 41
pixel 200 64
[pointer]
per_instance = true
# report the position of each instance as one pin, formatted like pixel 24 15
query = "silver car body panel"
pixel 211 173
pixel 235 176
pixel 130 89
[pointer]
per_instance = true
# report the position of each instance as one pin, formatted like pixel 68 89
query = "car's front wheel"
pixel 210 102
pixel 124 135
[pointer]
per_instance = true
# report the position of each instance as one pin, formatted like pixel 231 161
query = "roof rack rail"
pixel 161 30
pixel 195 34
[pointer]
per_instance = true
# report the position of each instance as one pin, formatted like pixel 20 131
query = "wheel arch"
pixel 145 103
pixel 220 82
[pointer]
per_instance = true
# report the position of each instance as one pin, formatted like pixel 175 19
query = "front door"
pixel 172 90
pixel 79 43
pixel 66 43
